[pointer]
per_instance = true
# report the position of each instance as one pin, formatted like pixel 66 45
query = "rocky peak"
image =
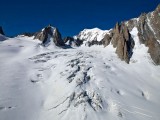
pixel 116 33
pixel 107 39
pixel 117 28
pixel 148 25
pixel 1 31
pixel 57 38
pixel 48 33
pixel 123 42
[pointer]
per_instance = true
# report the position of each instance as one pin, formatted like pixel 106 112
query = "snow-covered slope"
pixel 76 84
pixel 95 34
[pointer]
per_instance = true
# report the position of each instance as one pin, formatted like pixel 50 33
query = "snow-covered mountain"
pixel 89 35
pixel 39 80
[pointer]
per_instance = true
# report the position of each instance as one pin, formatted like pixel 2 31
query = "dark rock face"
pixel 116 35
pixel 1 31
pixel 66 39
pixel 57 38
pixel 148 26
pixel 123 42
pixel 148 35
pixel 50 32
pixel 69 40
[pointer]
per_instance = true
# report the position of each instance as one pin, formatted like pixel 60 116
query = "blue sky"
pixel 69 16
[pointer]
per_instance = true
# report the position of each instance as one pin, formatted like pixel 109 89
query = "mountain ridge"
pixel 148 32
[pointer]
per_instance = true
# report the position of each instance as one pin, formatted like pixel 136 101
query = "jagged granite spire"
pixel 50 32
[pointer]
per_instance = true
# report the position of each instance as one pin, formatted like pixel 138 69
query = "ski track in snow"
pixel 83 83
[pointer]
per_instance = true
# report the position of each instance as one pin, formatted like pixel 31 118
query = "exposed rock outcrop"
pixel 49 33
pixel 107 39
pixel 57 39
pixel 123 42
pixel 68 39
pixel 1 31
pixel 121 39
pixel 116 35
pixel 148 26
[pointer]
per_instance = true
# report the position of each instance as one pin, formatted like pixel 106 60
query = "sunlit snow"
pixel 85 83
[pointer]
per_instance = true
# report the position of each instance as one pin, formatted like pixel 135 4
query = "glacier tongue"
pixel 76 84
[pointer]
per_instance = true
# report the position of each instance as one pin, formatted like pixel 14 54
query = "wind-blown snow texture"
pixel 37 83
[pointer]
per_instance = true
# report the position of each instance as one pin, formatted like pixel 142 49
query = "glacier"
pixel 81 83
